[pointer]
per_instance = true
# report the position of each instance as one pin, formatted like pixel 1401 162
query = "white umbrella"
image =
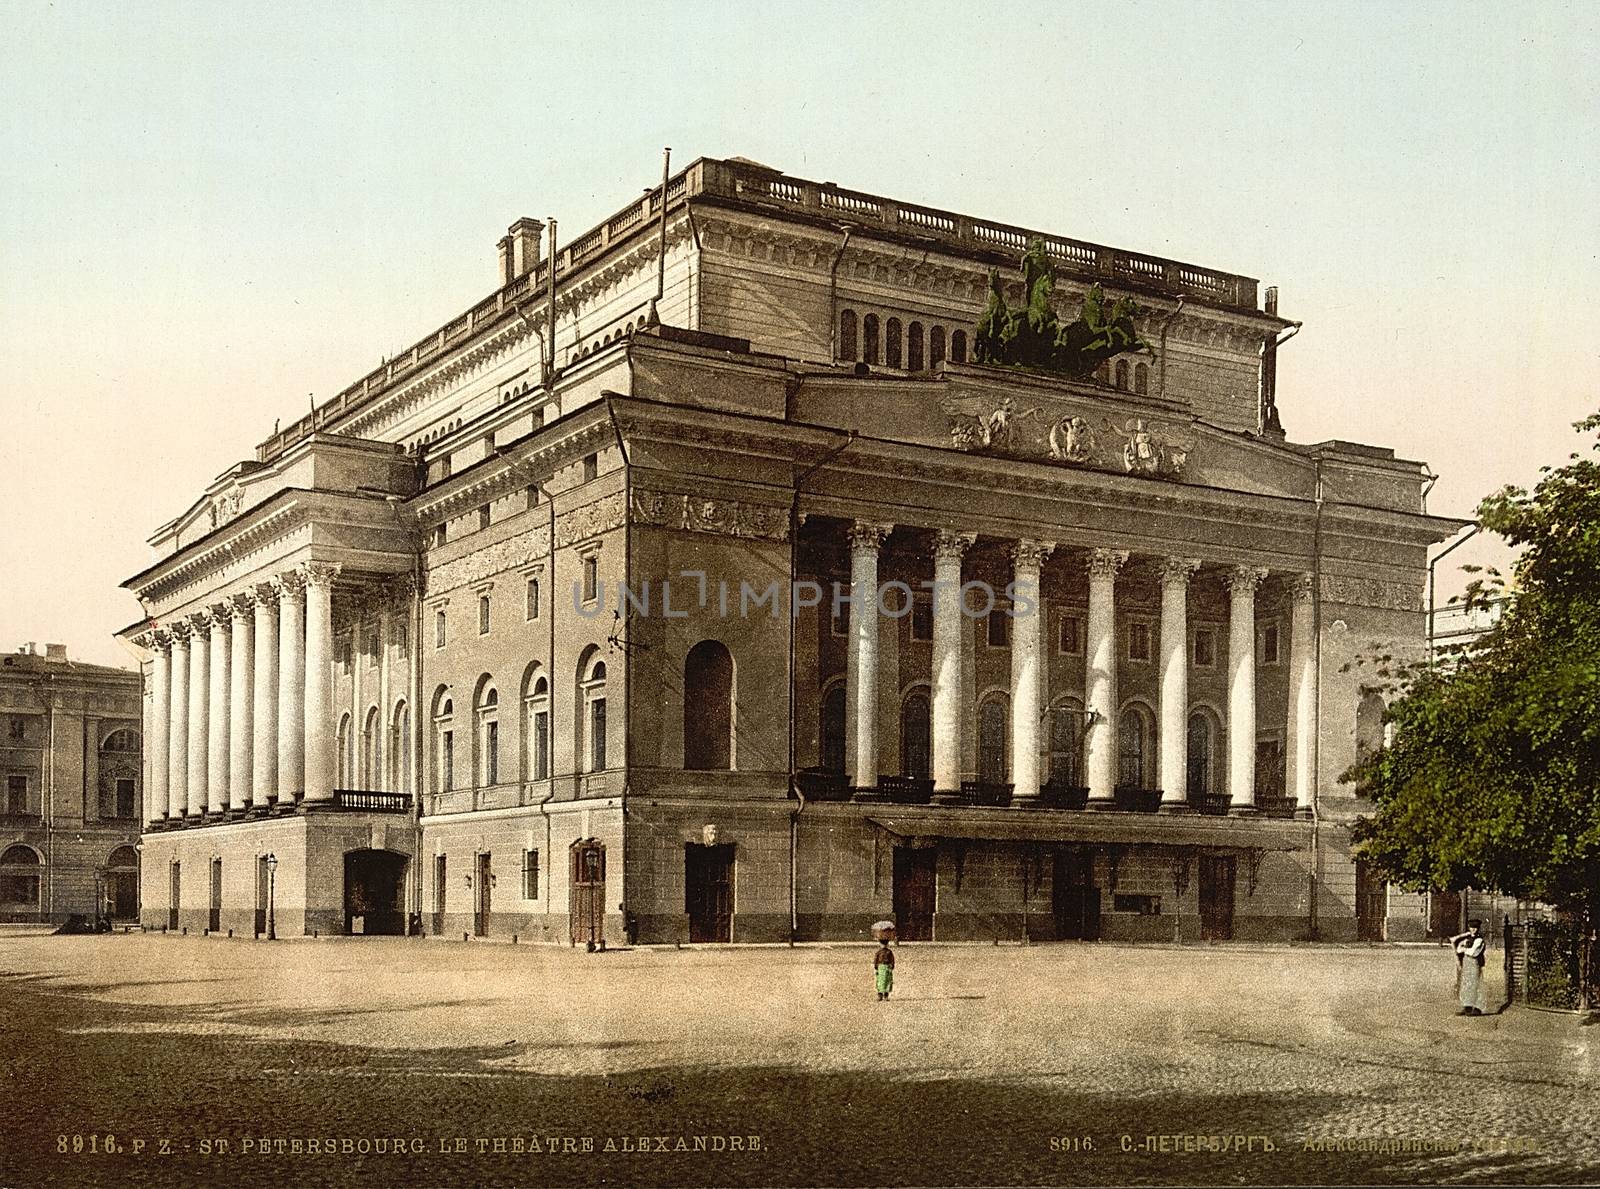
pixel 881 930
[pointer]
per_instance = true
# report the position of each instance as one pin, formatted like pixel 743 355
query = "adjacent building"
pixel 70 759
pixel 698 584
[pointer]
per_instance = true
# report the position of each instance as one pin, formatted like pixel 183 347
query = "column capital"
pixel 266 593
pixel 1104 563
pixel 180 632
pixel 1028 552
pixel 950 545
pixel 1176 571
pixel 1302 588
pixel 221 616
pixel 1245 580
pixel 865 534
pixel 200 622
pixel 290 586
pixel 319 574
pixel 242 604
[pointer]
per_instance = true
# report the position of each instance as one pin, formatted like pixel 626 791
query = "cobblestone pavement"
pixel 992 1065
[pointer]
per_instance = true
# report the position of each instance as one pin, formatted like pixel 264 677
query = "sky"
pixel 210 213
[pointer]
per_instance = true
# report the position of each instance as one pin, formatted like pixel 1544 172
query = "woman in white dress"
pixel 1469 948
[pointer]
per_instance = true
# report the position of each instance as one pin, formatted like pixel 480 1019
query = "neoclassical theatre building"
pixel 698 584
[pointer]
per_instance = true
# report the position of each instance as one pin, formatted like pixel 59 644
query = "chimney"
pixel 55 652
pixel 1272 299
pixel 519 250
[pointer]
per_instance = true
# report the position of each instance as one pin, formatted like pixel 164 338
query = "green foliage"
pixel 1493 776
pixel 1032 337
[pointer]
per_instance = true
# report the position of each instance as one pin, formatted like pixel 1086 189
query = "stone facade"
pixel 571 637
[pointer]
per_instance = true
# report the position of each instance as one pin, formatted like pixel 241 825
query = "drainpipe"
pixel 1456 544
pixel 694 273
pixel 1267 403
pixel 1316 707
pixel 627 623
pixel 661 257
pixel 550 365
pixel 1166 324
pixel 833 293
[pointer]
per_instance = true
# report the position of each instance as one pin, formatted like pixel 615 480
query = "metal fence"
pixel 1552 965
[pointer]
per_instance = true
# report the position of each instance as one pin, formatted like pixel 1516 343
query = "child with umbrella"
pixel 883 959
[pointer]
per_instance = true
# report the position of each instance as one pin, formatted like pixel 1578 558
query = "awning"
pixel 1124 829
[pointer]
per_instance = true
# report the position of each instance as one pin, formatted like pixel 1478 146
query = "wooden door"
pixel 214 920
pixel 1372 902
pixel 1444 915
pixel 1217 875
pixel 483 885
pixel 1075 900
pixel 175 900
pixel 587 896
pixel 708 891
pixel 915 892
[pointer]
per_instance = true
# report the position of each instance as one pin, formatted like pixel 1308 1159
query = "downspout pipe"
pixel 1267 413
pixel 627 624
pixel 833 293
pixel 1316 709
pixel 1471 532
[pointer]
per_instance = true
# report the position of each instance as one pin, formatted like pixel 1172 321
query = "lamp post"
pixel 272 897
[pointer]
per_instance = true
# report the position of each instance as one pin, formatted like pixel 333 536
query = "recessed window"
pixel 958 346
pixel 591 578
pixel 1069 635
pixel 1267 644
pixel 1145 906
pixel 591 467
pixel 483 615
pixel 441 534
pixel 530 875
pixel 1205 648
pixel 839 613
pixel 16 794
pixel 998 631
pixel 19 729
pixel 532 496
pixel 485 517
pixel 922 619
pixel 438 629
pixel 402 639
pixel 533 598
pixel 1138 641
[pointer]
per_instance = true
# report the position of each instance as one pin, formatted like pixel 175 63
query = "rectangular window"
pixel 1069 635
pixel 591 578
pixel 16 794
pixel 19 729
pixel 1138 641
pixel 1205 648
pixel 541 745
pixel 839 614
pixel 530 875
pixel 533 496
pixel 483 615
pixel 441 534
pixel 1267 641
pixel 999 628
pixel 922 619
pixel 447 761
pixel 124 796
pixel 402 638
pixel 439 883
pixel 591 467
pixel 597 735
pixel 491 748
pixel 1270 769
pixel 533 598
pixel 484 518
pixel 438 629
pixel 1145 906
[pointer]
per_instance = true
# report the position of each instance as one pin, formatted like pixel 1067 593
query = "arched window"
pixel 1066 744
pixel 122 739
pixel 832 733
pixel 1134 769
pixel 869 339
pixel 1369 724
pixel 371 765
pixel 993 740
pixel 399 753
pixel 535 725
pixel 848 348
pixel 1122 375
pixel 19 879
pixel 916 735
pixel 487 713
pixel 1141 378
pixel 592 713
pixel 893 344
pixel 346 755
pixel 444 742
pixel 958 346
pixel 936 346
pixel 708 707
pixel 914 347
pixel 1204 731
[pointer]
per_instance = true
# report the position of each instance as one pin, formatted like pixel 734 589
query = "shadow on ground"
pixel 74 1067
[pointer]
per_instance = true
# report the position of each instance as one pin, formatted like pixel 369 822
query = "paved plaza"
pixel 241 1062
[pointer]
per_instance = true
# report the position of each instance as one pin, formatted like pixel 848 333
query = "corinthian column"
pixel 241 710
pixel 1175 574
pixel 217 730
pixel 199 712
pixel 319 750
pixel 178 724
pixel 1302 696
pixel 291 686
pixel 1243 582
pixel 158 737
pixel 1026 665
pixel 861 666
pixel 264 712
pixel 949 693
pixel 1100 678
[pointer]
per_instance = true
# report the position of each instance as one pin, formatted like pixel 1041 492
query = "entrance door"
pixel 1074 899
pixel 122 884
pixel 1444 915
pixel 214 921
pixel 1216 897
pixel 1372 902
pixel 708 891
pixel 262 877
pixel 588 894
pixel 915 891
pixel 175 900
pixel 482 886
pixel 374 893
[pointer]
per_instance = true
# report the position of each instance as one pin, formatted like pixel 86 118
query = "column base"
pixel 1027 801
pixel 1174 807
pixel 1303 813
pixel 1100 804
pixel 1242 811
pixel 947 797
pixel 868 796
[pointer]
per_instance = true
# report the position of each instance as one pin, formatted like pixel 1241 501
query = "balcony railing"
pixel 371 801
pixel 906 790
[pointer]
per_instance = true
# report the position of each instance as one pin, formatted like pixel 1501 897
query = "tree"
pixel 1492 776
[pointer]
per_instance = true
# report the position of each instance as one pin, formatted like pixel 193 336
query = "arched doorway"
pixel 374 893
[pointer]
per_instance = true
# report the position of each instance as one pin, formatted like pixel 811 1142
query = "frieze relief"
pixel 1371 592
pixel 702 514
pixel 1135 446
pixel 492 559
pixel 590 520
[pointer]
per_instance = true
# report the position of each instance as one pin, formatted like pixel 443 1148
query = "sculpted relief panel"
pixel 493 559
pixel 1136 446
pixel 1371 592
pixel 701 514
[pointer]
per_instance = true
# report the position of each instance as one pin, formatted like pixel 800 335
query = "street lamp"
pixel 272 896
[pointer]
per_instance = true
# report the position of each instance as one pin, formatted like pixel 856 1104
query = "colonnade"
pixel 241 713
pixel 1101 706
